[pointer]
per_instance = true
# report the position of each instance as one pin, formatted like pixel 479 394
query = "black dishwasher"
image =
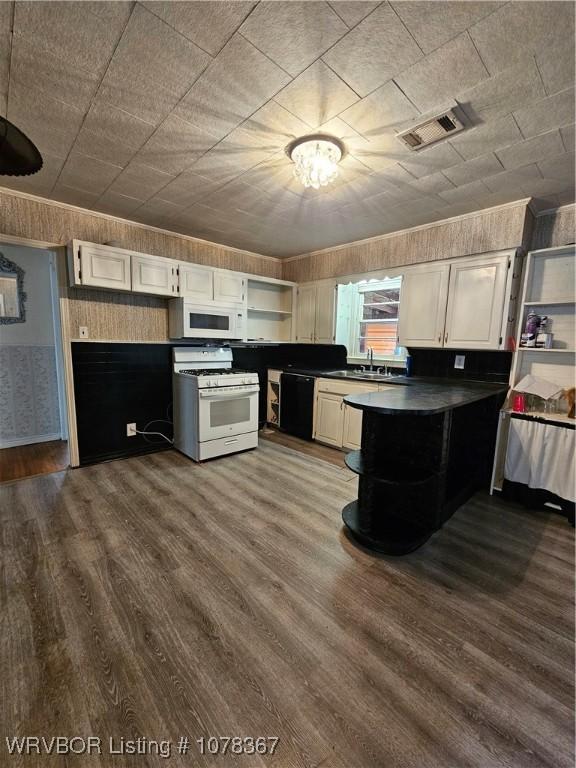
pixel 296 404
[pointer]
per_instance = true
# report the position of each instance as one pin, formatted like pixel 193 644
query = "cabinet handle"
pixel 439 338
pixel 445 338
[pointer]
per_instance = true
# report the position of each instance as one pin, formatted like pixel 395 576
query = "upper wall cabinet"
pixel 315 311
pixel 154 275
pixel 99 266
pixel 462 304
pixel 229 288
pixel 423 306
pixel 196 282
pixel 475 304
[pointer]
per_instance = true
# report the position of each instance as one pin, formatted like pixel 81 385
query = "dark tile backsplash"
pixel 478 365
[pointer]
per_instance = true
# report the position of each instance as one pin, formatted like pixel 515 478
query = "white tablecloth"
pixel 542 456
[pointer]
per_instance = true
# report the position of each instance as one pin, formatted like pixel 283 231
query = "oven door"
pixel 212 322
pixel 227 411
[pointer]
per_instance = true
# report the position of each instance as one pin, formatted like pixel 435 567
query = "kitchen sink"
pixel 366 375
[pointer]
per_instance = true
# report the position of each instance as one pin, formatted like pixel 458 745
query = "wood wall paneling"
pixel 491 230
pixel 555 229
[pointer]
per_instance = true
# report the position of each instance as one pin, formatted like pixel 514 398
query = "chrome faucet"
pixel 370 356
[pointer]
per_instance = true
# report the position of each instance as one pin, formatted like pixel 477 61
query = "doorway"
pixel 33 424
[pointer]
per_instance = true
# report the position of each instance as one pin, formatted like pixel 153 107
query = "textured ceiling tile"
pixel 115 123
pixel 431 160
pixel 293 34
pixel 316 95
pixel 87 173
pixel 552 112
pixel 157 209
pixel 521 27
pixel 3 104
pixel 503 93
pixel 474 189
pixel 140 181
pixel 104 148
pixel 374 51
pixel 353 141
pixel 561 167
pixel 433 184
pixel 152 67
pixel 352 12
pixel 472 170
pixel 187 188
pixel 567 133
pixel 116 204
pixel 567 197
pixel 175 146
pixel 443 74
pixel 72 196
pixel 210 25
pixel 6 9
pixel 487 137
pixel 514 180
pixel 532 151
pixel 230 157
pixel 380 112
pixel 556 66
pixel 236 84
pixel 273 174
pixel 70 32
pixel 33 67
pixel 52 125
pixel 272 127
pixel 434 23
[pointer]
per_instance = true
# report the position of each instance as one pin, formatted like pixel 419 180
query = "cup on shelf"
pixel 519 403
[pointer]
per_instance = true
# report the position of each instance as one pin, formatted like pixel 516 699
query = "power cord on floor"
pixel 144 431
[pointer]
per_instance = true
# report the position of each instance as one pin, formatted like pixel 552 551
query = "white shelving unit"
pixel 269 307
pixel 549 287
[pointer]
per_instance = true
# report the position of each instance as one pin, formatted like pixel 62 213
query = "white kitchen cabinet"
pixel 315 310
pixel 352 430
pixel 476 295
pixel 154 275
pixel 422 312
pixel 329 419
pixel 229 288
pixel 336 423
pixel 196 282
pixel 99 266
pixel 461 304
pixel 306 314
pixel 324 313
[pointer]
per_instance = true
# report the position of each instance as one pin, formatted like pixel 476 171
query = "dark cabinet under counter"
pixel 426 448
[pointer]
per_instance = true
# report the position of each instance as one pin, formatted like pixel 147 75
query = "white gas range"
pixel 215 407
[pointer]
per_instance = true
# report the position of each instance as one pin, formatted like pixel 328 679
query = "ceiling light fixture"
pixel 18 155
pixel 315 159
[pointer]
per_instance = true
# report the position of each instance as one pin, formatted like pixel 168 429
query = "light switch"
pixel 83 332
pixel 459 361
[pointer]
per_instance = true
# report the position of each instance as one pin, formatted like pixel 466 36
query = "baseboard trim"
pixel 29 440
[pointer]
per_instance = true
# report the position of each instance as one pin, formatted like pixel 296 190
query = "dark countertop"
pixel 327 374
pixel 424 397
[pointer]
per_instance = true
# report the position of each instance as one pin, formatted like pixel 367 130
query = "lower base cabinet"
pixel 336 423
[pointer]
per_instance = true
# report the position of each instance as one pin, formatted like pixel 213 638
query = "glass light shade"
pixel 316 161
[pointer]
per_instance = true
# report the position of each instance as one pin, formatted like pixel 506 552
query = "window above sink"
pixel 367 319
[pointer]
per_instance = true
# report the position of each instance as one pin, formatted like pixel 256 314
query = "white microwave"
pixel 203 321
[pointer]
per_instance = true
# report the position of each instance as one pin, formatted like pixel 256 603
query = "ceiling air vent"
pixel 432 130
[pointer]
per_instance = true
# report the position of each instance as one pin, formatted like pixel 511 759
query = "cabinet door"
pixel 324 313
pixel 305 313
pixel 229 288
pixel 153 274
pixel 475 303
pixel 196 282
pixel 104 267
pixel 352 430
pixel 329 419
pixel 423 306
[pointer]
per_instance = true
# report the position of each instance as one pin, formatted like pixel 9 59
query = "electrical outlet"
pixel 83 332
pixel 131 429
pixel 459 361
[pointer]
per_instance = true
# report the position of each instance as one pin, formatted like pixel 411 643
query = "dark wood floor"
pixel 35 459
pixel 156 597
